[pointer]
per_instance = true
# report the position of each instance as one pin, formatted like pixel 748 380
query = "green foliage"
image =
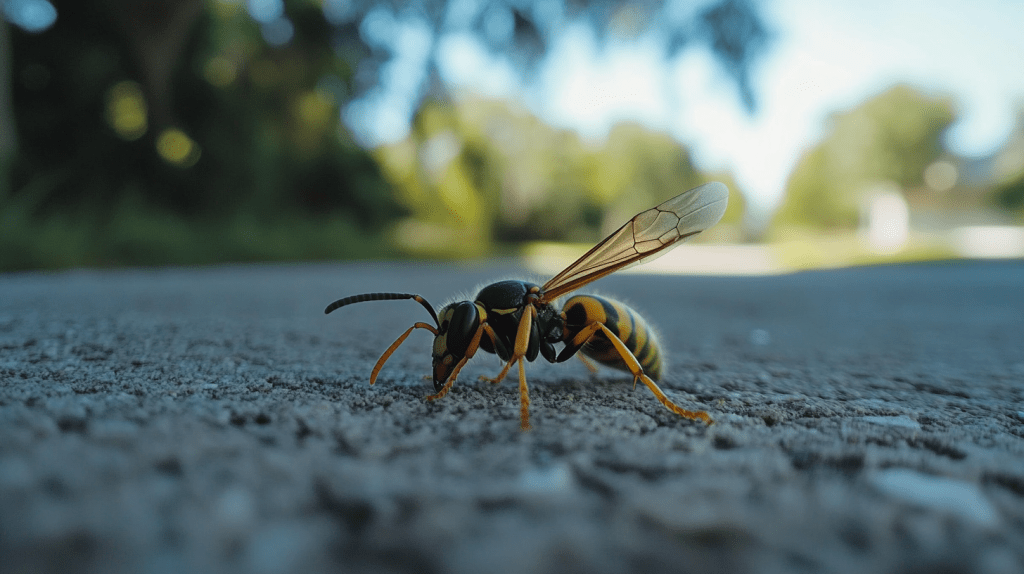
pixel 892 137
pixel 173 131
pixel 136 234
pixel 1010 194
pixel 248 131
pixel 485 169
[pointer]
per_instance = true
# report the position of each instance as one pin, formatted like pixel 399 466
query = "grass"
pixel 800 250
pixel 145 237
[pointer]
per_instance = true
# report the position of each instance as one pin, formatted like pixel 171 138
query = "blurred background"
pixel 181 132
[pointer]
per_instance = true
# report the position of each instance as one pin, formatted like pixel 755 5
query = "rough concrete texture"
pixel 867 420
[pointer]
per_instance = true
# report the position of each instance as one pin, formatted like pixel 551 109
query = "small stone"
pixel 957 497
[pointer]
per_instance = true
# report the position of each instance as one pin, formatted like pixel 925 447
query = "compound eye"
pixel 463 325
pixel 464 317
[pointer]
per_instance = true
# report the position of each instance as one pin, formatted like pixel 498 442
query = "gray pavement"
pixel 867 420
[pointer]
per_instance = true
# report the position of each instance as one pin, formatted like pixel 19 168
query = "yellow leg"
pixel 524 400
pixel 522 343
pixel 494 339
pixel 638 372
pixel 518 352
pixel 590 366
pixel 398 342
pixel 501 375
pixel 451 381
pixel 587 332
pixel 490 333
pixel 474 344
pixel 692 415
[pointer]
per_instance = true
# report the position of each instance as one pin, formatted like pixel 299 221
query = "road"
pixel 866 420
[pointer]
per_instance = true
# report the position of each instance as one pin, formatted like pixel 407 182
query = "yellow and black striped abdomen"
pixel 625 323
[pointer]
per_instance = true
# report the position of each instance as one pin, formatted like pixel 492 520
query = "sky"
pixel 825 57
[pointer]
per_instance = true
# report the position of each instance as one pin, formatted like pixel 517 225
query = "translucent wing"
pixel 645 237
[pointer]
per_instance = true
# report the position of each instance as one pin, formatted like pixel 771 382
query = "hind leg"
pixel 584 335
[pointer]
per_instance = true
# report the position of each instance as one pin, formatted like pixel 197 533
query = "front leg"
pixel 474 344
pixel 394 346
pixel 518 352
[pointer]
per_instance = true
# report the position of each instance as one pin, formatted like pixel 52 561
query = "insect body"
pixel 518 320
pixel 625 323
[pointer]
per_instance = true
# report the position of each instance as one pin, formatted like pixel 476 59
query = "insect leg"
pixel 636 370
pixel 524 399
pixel 591 366
pixel 398 342
pixel 572 346
pixel 451 381
pixel 501 375
pixel 521 344
pixel 474 344
pixel 499 347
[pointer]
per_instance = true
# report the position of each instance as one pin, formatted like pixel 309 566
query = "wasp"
pixel 518 320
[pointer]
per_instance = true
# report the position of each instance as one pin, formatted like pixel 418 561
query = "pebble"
pixel 553 479
pixel 900 421
pixel 957 497
pixel 760 337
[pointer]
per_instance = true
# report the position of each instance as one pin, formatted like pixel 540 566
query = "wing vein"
pixel 647 235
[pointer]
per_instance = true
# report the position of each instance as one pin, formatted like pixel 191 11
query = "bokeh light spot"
pixel 126 110
pixel 32 15
pixel 177 148
pixel 314 109
pixel 266 10
pixel 278 32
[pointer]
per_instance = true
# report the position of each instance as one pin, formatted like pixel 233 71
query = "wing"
pixel 645 237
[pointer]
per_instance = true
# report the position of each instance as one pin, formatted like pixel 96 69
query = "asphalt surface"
pixel 867 420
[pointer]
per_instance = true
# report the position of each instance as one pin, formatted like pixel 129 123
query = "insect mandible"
pixel 518 320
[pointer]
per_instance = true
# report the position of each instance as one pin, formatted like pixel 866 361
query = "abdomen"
pixel 625 323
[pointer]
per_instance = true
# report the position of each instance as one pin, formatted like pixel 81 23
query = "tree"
pixel 892 137
pixel 209 109
pixel 1009 195
pixel 523 30
pixel 483 169
pixel 185 105
pixel 1007 170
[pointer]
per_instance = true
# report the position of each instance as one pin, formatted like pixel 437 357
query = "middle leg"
pixel 522 342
